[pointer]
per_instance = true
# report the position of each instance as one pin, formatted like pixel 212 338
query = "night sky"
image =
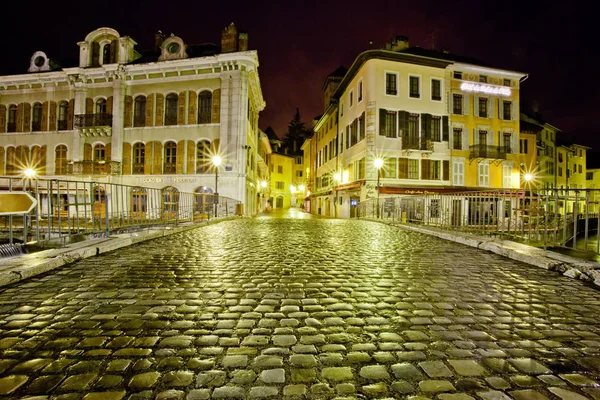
pixel 300 43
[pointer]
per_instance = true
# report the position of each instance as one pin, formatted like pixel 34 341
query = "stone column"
pixel 118 114
pixel 78 108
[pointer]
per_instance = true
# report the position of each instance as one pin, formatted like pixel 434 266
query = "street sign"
pixel 16 203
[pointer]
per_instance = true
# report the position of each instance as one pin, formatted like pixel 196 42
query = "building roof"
pixel 528 127
pixel 339 72
pixel 443 55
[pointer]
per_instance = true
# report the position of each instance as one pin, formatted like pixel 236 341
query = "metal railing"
pixel 550 218
pixel 416 143
pixel 485 151
pixel 91 120
pixel 68 210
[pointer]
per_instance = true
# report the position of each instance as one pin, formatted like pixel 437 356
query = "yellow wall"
pixel 287 166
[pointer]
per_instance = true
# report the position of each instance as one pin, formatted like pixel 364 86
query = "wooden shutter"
pixel 362 125
pixel 466 104
pixel 446 170
pixel 192 112
pixel 26 117
pixel 87 152
pixel 424 169
pixel 44 122
pixel 466 139
pixel 426 126
pixel 89 106
pixel 402 123
pixel 19 127
pixel 449 103
pixel 382 119
pixel 179 157
pixel 148 158
pixel 149 113
pixel 52 125
pixel 476 106
pixel 181 109
pixel 491 107
pixel 70 114
pixel 108 151
pixel 109 105
pixel 215 117
pixel 160 109
pixel 114 51
pixel 191 156
pixel 2 118
pixel 41 167
pixel 95 54
pixel 128 112
pixel 403 168
pixel 514 111
pixel 354 131
pixel 490 139
pixel 126 158
pixel 158 158
pixel 445 129
pixel 2 171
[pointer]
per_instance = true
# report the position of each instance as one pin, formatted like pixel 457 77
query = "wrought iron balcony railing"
pixel 62 125
pixel 485 151
pixel 92 120
pixel 416 143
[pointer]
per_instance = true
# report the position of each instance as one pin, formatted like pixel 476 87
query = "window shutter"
pixel 160 107
pixel 87 152
pixel 114 51
pixel 466 105
pixel 70 114
pixel 491 104
pixel 108 153
pixel 158 152
pixel 466 139
pixel 403 168
pixel 2 118
pixel 449 103
pixel 382 118
pixel 148 157
pixel 126 158
pixel 52 109
pixel 26 117
pixel 89 106
pixel 514 143
pixel 476 106
pixel 216 107
pixel 424 169
pixel 362 125
pixel 149 113
pixel 19 127
pixel 191 156
pixel 44 122
pixel 109 105
pixel 192 103
pixel 128 112
pixel 514 111
pixel 95 54
pixel 42 160
pixel 181 110
pixel 426 126
pixel 348 139
pixel 446 170
pixel 445 129
pixel 402 123
pixel 490 139
pixel 179 157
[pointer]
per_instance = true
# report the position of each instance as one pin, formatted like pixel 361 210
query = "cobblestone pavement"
pixel 299 308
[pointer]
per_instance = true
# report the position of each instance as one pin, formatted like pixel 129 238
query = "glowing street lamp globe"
pixel 29 173
pixel 216 160
pixel 528 177
pixel 378 163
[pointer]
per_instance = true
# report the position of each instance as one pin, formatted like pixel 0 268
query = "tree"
pixel 296 134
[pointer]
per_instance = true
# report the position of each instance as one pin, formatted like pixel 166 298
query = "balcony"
pixel 94 168
pixel 93 125
pixel 491 152
pixel 416 143
pixel 62 125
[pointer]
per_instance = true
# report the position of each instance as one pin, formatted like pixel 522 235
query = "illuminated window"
pixel 203 159
pixel 99 152
pixel 60 160
pixel 139 158
pixel 170 158
pixel 523 148
pixel 413 169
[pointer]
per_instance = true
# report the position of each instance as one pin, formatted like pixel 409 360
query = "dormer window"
pixel 172 48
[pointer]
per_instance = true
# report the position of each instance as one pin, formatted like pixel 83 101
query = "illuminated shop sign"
pixel 487 89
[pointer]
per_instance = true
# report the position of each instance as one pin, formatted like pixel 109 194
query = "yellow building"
pixel 571 166
pixel 484 114
pixel 282 167
pixel 527 160
pixel 263 157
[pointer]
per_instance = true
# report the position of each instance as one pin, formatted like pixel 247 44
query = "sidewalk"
pixel 16 269
pixel 588 271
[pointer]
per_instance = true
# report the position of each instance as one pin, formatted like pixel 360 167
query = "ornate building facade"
pixel 143 118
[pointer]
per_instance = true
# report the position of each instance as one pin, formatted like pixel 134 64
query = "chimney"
pixel 159 38
pixel 229 39
pixel 397 43
pixel 243 41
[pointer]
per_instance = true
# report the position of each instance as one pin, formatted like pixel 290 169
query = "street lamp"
pixel 378 164
pixel 30 174
pixel 216 160
pixel 337 177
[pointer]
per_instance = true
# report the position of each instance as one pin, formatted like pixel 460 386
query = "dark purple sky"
pixel 300 43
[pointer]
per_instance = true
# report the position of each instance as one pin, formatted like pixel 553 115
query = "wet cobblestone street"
pixel 299 308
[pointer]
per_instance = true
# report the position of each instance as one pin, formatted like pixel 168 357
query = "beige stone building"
pixel 150 118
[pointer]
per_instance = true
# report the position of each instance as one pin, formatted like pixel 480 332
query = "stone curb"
pixel 587 271
pixel 26 266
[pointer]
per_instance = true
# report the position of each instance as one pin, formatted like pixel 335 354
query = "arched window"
pixel 36 159
pixel 170 158
pixel 11 126
pixel 203 161
pixel 60 160
pixel 36 118
pixel 203 200
pixel 99 159
pixel 204 107
pixel 11 161
pixel 106 54
pixel 101 106
pixel 139 158
pixel 139 201
pixel 63 111
pixel 139 111
pixel 170 204
pixel 171 109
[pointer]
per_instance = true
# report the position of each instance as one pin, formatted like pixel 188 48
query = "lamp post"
pixel 378 165
pixel 337 178
pixel 216 160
